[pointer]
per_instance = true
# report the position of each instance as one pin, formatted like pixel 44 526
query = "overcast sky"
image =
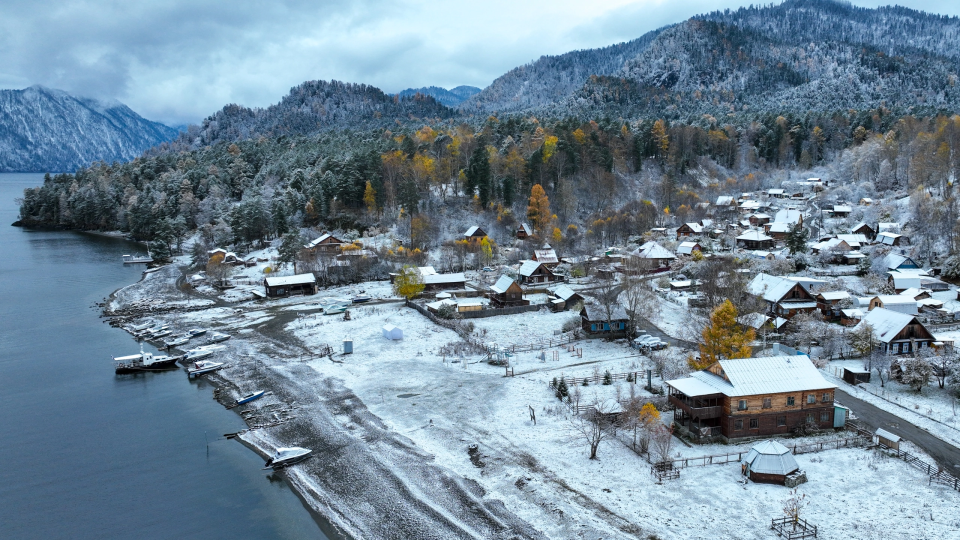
pixel 178 61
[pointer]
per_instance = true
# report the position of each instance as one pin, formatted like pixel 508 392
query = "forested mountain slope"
pixel 50 130
pixel 450 98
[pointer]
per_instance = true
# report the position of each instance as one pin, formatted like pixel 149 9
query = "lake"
pixel 89 454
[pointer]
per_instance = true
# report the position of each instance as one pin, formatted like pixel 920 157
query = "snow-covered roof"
pixel 526 228
pixel 760 215
pixel 854 240
pixel 787 216
pixel 842 208
pixel 599 313
pixel 750 205
pixel 886 323
pixel 427 271
pixel 906 281
pixel 888 238
pixel 473 230
pixel 780 227
pixel 725 200
pixel 686 248
pixel 444 279
pixel 695 227
pixel 767 375
pixel 529 267
pixel 894 299
pixel 852 313
pixel 859 226
pixel 832 243
pixel 693 387
pixel 502 284
pixel 893 261
pixel 548 256
pixel 775 192
pixel 835 295
pixel 771 457
pixel 754 235
pixel 770 288
pixel 808 283
pixel 887 435
pixel 753 320
pixel 321 239
pixel 299 279
pixel 564 292
pixel 653 250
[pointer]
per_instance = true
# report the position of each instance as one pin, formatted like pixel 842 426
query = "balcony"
pixel 702 413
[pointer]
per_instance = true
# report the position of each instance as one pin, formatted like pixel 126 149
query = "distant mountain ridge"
pixel 43 130
pixel 451 98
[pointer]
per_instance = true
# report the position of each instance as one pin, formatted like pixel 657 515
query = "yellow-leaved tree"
pixel 723 338
pixel 370 198
pixel 538 212
pixel 408 283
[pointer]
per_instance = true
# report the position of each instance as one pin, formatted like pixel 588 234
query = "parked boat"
pixel 137 259
pixel 176 341
pixel 144 361
pixel 134 328
pixel 194 332
pixel 251 397
pixel 361 299
pixel 203 351
pixel 160 334
pixel 287 456
pixel 217 337
pixel 334 309
pixel 203 367
pixel 149 332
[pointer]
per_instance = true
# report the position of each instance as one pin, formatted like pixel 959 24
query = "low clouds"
pixel 179 60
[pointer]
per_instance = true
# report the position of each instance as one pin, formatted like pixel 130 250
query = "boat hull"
pixel 138 367
pixel 251 397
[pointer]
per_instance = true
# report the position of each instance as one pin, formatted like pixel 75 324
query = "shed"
pixel 840 414
pixel 856 376
pixel 888 439
pixel 287 285
pixel 392 332
pixel 769 462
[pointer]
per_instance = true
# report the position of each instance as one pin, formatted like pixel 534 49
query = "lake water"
pixel 87 454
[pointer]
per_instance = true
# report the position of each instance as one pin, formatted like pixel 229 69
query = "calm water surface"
pixel 87 454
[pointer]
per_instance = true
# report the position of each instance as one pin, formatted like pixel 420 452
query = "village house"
pixel 564 298
pixel 653 256
pixel 855 241
pixel 535 272
pixel 841 210
pixel 433 281
pixel 890 239
pixel 790 217
pixel 726 202
pixel 777 193
pixel 524 231
pixel 897 332
pixel 866 201
pixel 547 255
pixel 687 248
pixel 778 231
pixel 833 244
pixel 903 280
pixel 784 297
pixel 895 261
pixel 758 219
pixel 689 229
pixel 831 303
pixel 276 287
pixel 750 206
pixel 506 293
pixel 325 244
pixel 864 229
pixel 895 302
pixel 474 234
pixel 755 240
pixel 752 397
pixel 596 322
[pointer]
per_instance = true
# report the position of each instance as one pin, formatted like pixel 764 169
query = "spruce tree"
pixel 607 378
pixel 562 390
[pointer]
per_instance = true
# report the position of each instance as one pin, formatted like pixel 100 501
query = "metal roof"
pixel 502 284
pixel 692 387
pixel 886 323
pixel 529 267
pixel 754 235
pixel 547 255
pixel 564 292
pixel 771 457
pixel 441 279
pixel 770 288
pixel 597 313
pixel 471 230
pixel 653 250
pixel 767 375
pixel 299 279
pixel 788 216
pixel 835 295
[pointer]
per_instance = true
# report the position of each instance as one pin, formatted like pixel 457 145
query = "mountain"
pixel 551 79
pixel 450 98
pixel 50 130
pixel 315 106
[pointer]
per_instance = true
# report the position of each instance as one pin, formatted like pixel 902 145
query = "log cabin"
pixel 897 333
pixel 596 322
pixel 752 397
pixel 506 293
pixel 326 244
pixel 784 297
pixel 534 272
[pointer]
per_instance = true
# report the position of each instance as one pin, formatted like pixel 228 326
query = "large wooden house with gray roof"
pixel 506 293
pixel 784 297
pixel 752 397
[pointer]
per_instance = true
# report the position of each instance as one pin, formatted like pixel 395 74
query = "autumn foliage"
pixel 723 338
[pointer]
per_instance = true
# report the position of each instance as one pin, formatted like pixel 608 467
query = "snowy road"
pixel 944 453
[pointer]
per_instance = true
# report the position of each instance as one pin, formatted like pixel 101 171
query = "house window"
pixel 811 399
pixel 791 401
pixel 593 328
pixel 754 423
pixel 742 405
pixel 809 418
pixel 767 403
pixel 781 421
pixel 826 397
pixel 825 416
pixel 738 425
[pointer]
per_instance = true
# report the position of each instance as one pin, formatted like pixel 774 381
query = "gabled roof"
pixel 321 239
pixel 833 243
pixel 686 248
pixel 548 256
pixel 750 205
pixel 502 284
pixel 767 375
pixel 473 230
pixel 842 208
pixel 526 228
pixel 888 238
pixel 725 200
pixel 299 279
pixel 788 216
pixel 775 191
pixel 780 227
pixel 894 261
pixel 695 227
pixel 859 226
pixel 770 288
pixel 835 295
pixel 444 279
pixel 529 267
pixel 854 240
pixel 653 250
pixel 597 313
pixel 886 323
pixel 755 236
pixel 564 292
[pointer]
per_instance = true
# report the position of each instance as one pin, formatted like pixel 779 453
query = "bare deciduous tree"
pixel 661 443
pixel 594 425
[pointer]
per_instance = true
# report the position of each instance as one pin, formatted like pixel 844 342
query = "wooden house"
pixel 277 287
pixel 534 272
pixel 689 229
pixel 326 244
pixel 596 322
pixel 564 298
pixel 547 256
pixel 895 261
pixel 726 202
pixel 524 231
pixel 439 282
pixel 890 239
pixel 653 255
pixel 895 302
pixel 841 210
pixel 897 332
pixel 758 219
pixel 777 193
pixel 864 229
pixel 856 376
pixel 755 240
pixel 784 297
pixel 475 234
pixel 752 397
pixel 831 303
pixel 687 248
pixel 506 293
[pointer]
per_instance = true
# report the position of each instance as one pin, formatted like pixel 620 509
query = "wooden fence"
pixel 793 529
pixel 597 379
pixel 935 473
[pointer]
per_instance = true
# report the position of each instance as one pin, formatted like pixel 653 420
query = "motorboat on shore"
pixel 194 332
pixel 334 309
pixel 137 259
pixel 203 351
pixel 251 397
pixel 150 332
pixel 163 333
pixel 135 328
pixel 144 361
pixel 217 337
pixel 203 367
pixel 176 341
pixel 360 299
pixel 286 457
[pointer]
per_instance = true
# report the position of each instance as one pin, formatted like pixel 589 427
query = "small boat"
pixel 286 457
pixel 176 341
pixel 194 332
pixel 160 334
pixel 203 351
pixel 217 337
pixel 361 299
pixel 144 361
pixel 134 328
pixel 203 367
pixel 149 332
pixel 137 259
pixel 251 397
pixel 334 309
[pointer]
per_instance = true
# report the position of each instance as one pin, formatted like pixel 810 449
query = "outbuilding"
pixel 285 286
pixel 769 462
pixel 392 332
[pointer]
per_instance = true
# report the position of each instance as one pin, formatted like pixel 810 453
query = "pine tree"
pixel 290 246
pixel 723 338
pixel 797 239
pixel 478 174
